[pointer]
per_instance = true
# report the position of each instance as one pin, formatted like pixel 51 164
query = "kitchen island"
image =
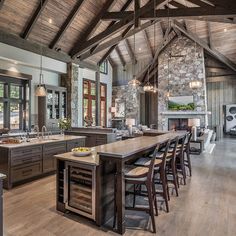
pixel 95 199
pixel 22 162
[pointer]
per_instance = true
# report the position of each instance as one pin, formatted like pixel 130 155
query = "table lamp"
pixel 194 123
pixel 130 122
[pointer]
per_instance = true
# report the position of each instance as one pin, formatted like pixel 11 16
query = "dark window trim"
pixel 94 98
pixel 105 63
pixel 22 101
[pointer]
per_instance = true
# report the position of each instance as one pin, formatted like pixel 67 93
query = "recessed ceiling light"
pixel 50 20
pixel 225 30
pixel 140 49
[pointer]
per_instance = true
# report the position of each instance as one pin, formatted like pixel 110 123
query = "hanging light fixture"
pixel 168 55
pixel 154 88
pixel 41 89
pixel 195 84
pixel 134 82
pixel 148 87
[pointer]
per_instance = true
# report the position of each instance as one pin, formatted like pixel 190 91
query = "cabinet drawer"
pixel 25 172
pixel 75 143
pixel 26 159
pixel 23 151
pixel 55 148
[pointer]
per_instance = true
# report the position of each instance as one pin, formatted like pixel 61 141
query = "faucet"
pixel 36 127
pixel 44 130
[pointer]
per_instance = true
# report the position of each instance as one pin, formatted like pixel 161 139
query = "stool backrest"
pixel 176 142
pixel 167 145
pixel 152 164
pixel 182 141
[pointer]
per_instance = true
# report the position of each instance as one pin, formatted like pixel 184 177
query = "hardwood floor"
pixel 206 205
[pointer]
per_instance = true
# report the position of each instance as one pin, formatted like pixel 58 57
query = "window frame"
pixel 104 67
pixel 22 101
pixel 90 98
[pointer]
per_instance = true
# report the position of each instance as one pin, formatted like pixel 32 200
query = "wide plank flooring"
pixel 206 205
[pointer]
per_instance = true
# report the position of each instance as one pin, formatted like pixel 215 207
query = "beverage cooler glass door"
pixel 79 189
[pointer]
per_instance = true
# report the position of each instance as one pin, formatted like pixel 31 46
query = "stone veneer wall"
pixel 131 96
pixel 182 70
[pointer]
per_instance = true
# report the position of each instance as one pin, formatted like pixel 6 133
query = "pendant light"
pixel 168 55
pixel 154 88
pixel 41 89
pixel 134 82
pixel 148 87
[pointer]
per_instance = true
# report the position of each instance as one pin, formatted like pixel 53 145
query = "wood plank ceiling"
pixel 94 30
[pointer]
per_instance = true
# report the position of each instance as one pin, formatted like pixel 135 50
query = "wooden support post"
pixel 98 97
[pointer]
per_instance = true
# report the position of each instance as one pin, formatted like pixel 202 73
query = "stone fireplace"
pixel 177 124
pixel 179 64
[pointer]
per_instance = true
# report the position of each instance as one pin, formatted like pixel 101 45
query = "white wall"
pixel 106 79
pixel 18 60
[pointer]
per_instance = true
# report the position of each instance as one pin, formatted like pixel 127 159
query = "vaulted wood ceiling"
pixel 91 30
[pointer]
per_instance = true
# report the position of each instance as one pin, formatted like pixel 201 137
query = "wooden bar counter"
pixel 110 160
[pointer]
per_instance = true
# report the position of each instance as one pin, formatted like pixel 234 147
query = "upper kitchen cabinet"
pixel 52 107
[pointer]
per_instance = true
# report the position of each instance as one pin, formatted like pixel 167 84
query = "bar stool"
pixel 159 171
pixel 171 166
pixel 139 176
pixel 180 165
pixel 187 161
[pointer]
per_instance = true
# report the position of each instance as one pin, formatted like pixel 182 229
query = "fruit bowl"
pixel 81 151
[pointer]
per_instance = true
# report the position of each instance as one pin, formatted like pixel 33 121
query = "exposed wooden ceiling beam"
pixel 92 26
pixel 177 4
pixel 124 7
pixel 130 51
pixel 120 56
pixel 34 19
pixel 111 61
pixel 226 4
pixel 203 44
pixel 148 43
pixel 114 41
pixel 199 3
pixel 210 35
pixel 175 13
pixel 111 49
pixel 67 23
pixel 16 41
pixel 106 55
pixel 169 35
pixel 1 3
pixel 83 47
pixel 220 78
pixel 136 7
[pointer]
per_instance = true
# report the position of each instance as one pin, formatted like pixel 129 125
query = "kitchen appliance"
pixel 80 188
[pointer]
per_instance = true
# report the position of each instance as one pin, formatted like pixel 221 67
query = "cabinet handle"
pixel 27 159
pixel 65 194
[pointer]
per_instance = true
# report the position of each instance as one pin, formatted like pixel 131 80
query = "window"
pixel 14 103
pixel 104 67
pixel 89 101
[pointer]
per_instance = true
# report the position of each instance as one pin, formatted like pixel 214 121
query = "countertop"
pixel 92 159
pixel 35 141
pixel 121 149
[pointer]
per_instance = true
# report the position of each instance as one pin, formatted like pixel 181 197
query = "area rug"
pixel 209 148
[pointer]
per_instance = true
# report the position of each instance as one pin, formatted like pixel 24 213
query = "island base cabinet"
pixel 76 188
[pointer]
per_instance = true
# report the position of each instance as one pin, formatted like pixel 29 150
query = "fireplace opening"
pixel 177 124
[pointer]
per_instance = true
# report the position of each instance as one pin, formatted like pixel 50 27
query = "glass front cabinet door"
pixel 52 107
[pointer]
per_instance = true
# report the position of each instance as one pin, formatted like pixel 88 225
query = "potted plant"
pixel 64 124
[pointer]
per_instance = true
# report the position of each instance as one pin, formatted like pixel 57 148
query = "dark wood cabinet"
pixel 49 150
pixel 25 163
pixel 52 107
